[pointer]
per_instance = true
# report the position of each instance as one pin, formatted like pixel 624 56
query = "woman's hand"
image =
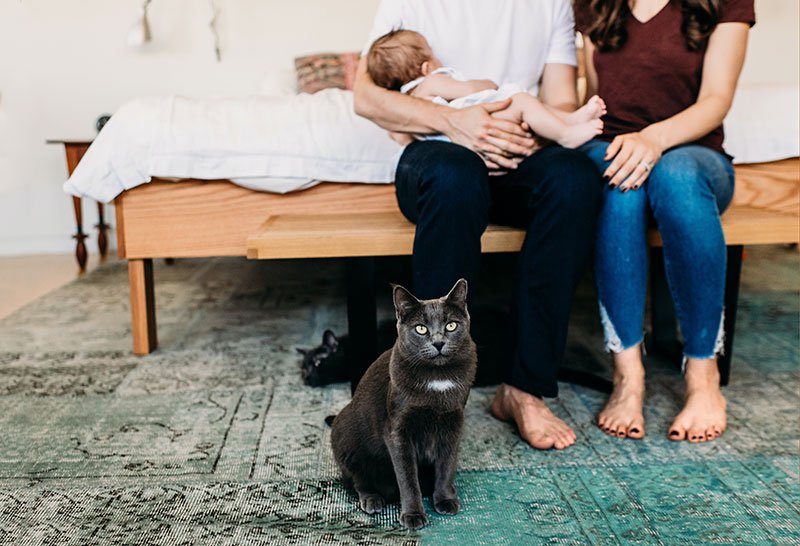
pixel 634 156
pixel 502 144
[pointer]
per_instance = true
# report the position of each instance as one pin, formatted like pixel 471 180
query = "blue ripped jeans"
pixel 685 194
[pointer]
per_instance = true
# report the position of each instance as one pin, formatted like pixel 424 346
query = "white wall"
pixel 64 63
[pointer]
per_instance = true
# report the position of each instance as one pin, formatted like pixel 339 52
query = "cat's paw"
pixel 371 504
pixel 414 520
pixel 448 507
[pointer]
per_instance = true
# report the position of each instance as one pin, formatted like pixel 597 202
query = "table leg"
pixel 102 228
pixel 361 316
pixel 80 246
pixel 143 306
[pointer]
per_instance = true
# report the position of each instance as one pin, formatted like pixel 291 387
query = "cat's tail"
pixel 329 420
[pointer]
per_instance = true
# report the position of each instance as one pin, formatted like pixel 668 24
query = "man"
pixel 492 170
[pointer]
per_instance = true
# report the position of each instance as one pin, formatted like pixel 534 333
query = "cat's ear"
pixel 404 301
pixel 458 294
pixel 329 340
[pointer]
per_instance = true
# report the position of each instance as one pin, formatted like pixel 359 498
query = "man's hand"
pixel 502 144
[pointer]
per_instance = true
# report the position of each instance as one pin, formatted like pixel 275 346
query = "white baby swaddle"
pixel 503 92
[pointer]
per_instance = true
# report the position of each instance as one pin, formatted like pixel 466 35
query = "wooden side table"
pixel 74 151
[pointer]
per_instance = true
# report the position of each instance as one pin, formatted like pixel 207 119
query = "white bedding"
pixel 762 124
pixel 289 143
pixel 270 144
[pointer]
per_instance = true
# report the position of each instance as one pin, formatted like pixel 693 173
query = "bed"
pixel 199 203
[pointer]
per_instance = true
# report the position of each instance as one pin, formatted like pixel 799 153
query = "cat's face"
pixel 432 330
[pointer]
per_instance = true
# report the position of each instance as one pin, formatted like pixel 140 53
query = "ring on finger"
pixel 647 165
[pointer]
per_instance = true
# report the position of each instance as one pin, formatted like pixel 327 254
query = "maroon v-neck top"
pixel 654 75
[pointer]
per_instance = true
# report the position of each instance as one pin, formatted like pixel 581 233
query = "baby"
pixel 403 61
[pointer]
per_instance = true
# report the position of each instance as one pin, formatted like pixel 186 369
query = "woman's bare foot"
pixel 703 415
pixel 622 415
pixel 536 423
pixel 576 135
pixel 595 108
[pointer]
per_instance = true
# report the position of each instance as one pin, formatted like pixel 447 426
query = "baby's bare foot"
pixel 703 415
pixel 595 108
pixel 536 423
pixel 622 415
pixel 576 135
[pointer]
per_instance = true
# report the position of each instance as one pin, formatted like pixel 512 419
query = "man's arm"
pixel 394 111
pixel 559 87
pixel 470 127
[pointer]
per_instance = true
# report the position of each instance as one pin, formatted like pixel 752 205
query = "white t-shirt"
pixel 506 41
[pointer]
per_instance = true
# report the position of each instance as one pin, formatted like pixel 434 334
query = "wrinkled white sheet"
pixel 270 144
pixel 289 143
pixel 762 124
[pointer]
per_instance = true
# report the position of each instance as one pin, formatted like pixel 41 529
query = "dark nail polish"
pixel 673 433
pixel 635 430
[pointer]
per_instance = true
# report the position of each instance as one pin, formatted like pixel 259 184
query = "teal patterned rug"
pixel 214 440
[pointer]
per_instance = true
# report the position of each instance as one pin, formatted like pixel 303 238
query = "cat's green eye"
pixel 451 326
pixel 421 330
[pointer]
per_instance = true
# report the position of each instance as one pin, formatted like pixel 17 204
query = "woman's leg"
pixel 621 276
pixel 688 189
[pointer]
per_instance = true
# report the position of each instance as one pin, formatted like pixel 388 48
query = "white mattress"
pixel 290 143
pixel 763 124
pixel 270 144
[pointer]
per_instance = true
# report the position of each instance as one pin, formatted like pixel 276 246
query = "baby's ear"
pixel 426 68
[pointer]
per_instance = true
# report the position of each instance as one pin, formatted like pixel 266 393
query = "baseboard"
pixel 50 245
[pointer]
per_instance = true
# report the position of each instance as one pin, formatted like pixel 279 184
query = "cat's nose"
pixel 438 345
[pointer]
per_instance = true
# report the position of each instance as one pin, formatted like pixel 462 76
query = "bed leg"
pixel 143 306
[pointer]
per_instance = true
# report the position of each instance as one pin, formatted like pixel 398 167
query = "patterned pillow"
pixel 326 71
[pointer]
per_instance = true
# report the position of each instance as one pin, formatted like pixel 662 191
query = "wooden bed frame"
pixel 191 218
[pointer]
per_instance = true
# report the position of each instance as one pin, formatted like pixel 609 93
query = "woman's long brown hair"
pixel 607 31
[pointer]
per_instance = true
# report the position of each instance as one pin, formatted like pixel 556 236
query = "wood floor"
pixel 25 278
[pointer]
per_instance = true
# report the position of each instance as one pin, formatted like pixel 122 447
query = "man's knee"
pixel 456 179
pixel 572 180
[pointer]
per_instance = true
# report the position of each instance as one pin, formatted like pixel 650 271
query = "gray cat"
pixel 408 410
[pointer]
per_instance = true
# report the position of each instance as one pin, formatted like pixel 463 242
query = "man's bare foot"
pixel 536 423
pixel 703 415
pixel 622 415
pixel 577 135
pixel 594 108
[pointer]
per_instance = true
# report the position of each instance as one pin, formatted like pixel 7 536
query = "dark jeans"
pixel 445 189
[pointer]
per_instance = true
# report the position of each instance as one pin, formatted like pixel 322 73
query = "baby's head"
pixel 399 57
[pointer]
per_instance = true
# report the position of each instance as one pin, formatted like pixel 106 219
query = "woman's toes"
pixel 621 432
pixel 676 434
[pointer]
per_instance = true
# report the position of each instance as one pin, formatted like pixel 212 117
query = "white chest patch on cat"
pixel 441 385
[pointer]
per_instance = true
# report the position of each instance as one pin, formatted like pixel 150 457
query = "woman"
pixel 667 70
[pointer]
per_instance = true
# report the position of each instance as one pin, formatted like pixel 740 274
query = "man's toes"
pixel 540 441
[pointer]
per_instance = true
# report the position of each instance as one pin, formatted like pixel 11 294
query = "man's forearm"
pixel 401 113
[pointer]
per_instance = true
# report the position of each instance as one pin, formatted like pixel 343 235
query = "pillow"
pixel 326 71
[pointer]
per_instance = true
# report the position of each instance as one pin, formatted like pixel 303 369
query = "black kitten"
pixel 408 410
pixel 325 364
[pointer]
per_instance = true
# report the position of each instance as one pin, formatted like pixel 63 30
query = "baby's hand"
pixel 403 139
